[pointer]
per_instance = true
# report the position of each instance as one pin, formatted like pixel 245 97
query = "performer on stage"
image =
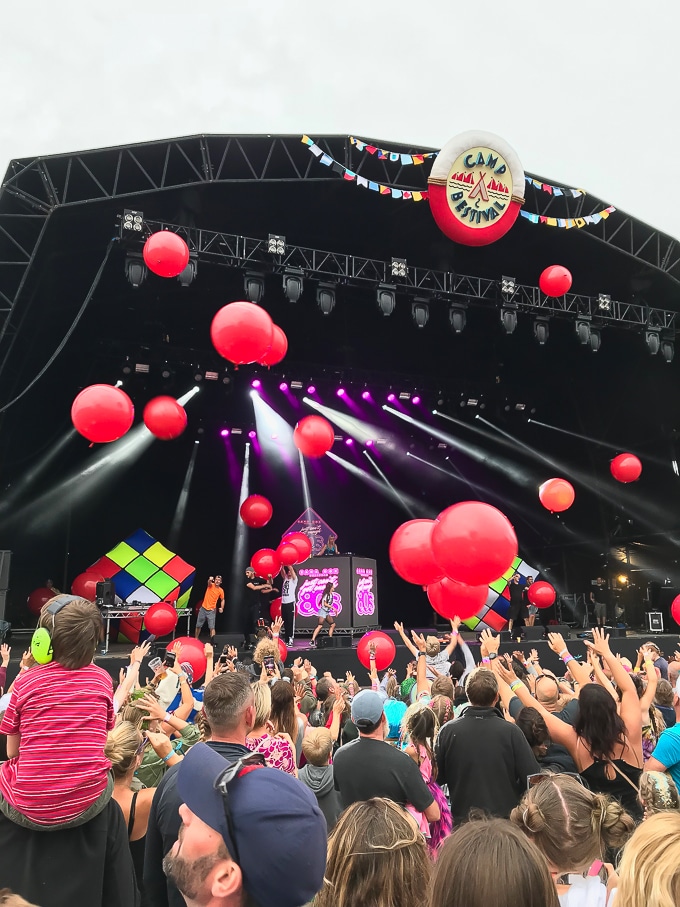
pixel 288 596
pixel 531 609
pixel 330 547
pixel 599 599
pixel 256 587
pixel 518 612
pixel 325 609
pixel 207 611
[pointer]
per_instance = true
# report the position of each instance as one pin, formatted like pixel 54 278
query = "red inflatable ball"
pixel 287 554
pixel 555 280
pixel 102 413
pixel 277 350
pixel 160 619
pixel 385 650
pixel 191 650
pixel 302 543
pixel 265 562
pixel 165 418
pixel 313 436
pixel 556 495
pixel 38 598
pixel 675 608
pixel 541 594
pixel 283 649
pixel 473 543
pixel 256 511
pixel 626 468
pixel 242 332
pixel 166 254
pixel 85 585
pixel 411 553
pixel 275 608
pixel 452 599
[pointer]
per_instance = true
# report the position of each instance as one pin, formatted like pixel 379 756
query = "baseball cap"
pixel 367 709
pixel 280 830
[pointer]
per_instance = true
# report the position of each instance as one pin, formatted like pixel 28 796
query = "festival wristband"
pixel 515 684
pixel 169 756
pixel 649 664
pixel 486 660
pixel 567 658
pixel 565 651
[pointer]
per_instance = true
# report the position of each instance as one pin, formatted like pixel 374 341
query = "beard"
pixel 189 876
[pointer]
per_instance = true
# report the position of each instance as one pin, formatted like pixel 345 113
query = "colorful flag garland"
pixel 383 154
pixel 555 190
pixel 568 222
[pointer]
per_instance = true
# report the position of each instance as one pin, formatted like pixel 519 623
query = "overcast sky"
pixel 586 91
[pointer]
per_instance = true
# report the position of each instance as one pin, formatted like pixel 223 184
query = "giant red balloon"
pixel 85 585
pixel 102 413
pixel 473 543
pixel 541 594
pixel 160 619
pixel 302 542
pixel 675 609
pixel 277 350
pixel 283 649
pixel 452 599
pixel 256 511
pixel 275 608
pixel 191 650
pixel 411 553
pixel 626 468
pixel 556 495
pixel 242 332
pixel 313 436
pixel 165 418
pixel 265 562
pixel 287 554
pixel 166 254
pixel 555 280
pixel 385 650
pixel 38 598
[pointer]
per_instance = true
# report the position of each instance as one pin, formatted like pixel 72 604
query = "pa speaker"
pixel 106 594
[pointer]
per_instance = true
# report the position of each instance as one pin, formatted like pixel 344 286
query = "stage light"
pixel 674 464
pixel 416 400
pixel 623 579
pixel 276 245
pixel 225 432
pixel 119 383
pixel 668 349
pixel 583 330
pixel 325 297
pixel 595 339
pixel 237 431
pixel 604 302
pixel 212 376
pixel 166 371
pixel 127 366
pixel 283 386
pixel 391 398
pixel 253 286
pixel 509 318
pixel 132 222
pixel 349 442
pixel 226 379
pixel 365 395
pixel 404 395
pixel 387 298
pixel 399 267
pixel 311 389
pixel 186 277
pixel 369 442
pixel 541 330
pixel 142 368
pixel 293 285
pixel 653 341
pixel 520 407
pixel 457 317
pixel 340 392
pixel 256 383
pixel 135 269
pixel 508 287
pixel 420 312
pixel 198 376
pixel 252 434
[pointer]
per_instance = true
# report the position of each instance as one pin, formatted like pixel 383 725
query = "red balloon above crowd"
pixel 265 562
pixel 277 350
pixel 556 495
pixel 452 599
pixel 302 543
pixel 626 467
pixel 541 594
pixel 256 511
pixel 385 650
pixel 555 280
pixel 102 413
pixel 165 418
pixel 166 254
pixel 242 332
pixel 161 619
pixel 473 543
pixel 313 436
pixel 411 553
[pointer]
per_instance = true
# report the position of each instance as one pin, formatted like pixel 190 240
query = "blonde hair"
pixel 122 746
pixel 432 646
pixel 571 825
pixel 131 713
pixel 408 715
pixel 658 793
pixel 263 703
pixel 376 856
pixel 317 745
pixel 266 648
pixel 649 871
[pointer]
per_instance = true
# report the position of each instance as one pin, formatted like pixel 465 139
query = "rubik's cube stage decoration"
pixel 144 570
pixel 494 614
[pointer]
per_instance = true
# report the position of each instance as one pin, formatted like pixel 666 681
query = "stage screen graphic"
pixel 314 527
pixel 312 578
pixel 364 592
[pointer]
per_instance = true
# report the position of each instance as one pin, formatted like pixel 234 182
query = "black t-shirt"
pixel 368 768
pixel 254 597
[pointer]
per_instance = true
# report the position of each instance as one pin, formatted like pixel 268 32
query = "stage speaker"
pixel 334 642
pixel 616 632
pixel 654 621
pixel 106 594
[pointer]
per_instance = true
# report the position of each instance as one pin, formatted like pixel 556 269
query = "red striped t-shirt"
pixel 62 717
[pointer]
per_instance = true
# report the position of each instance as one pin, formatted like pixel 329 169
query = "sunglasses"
pixel 222 782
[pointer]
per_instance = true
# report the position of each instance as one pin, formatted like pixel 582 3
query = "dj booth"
pixel 124 611
pixel 355 594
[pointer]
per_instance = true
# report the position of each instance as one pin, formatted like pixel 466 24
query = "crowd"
pixel 271 786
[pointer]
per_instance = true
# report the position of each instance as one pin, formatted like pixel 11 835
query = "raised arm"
pixel 422 683
pixel 455 638
pixel 579 672
pixel 630 704
pixel 647 699
pixel 600 677
pixel 209 663
pixel 373 673
pixel 131 675
pixel 404 638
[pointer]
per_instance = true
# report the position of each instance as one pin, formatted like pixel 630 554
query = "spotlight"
pixel 391 398
pixel 583 330
pixel 541 330
pixel 369 442
pixel 276 245
pixel 127 366
pixel 293 284
pixel 135 269
pixel 256 383
pixel 508 286
pixel 349 442
pixel 132 223
pixel 457 317
pixel 420 312
pixel 119 383
pixel 325 297
pixel 595 339
pixel 311 389
pixel 399 267
pixel 604 302
pixel 186 277
pixel 668 348
pixel 283 386
pixel 365 395
pixel 340 392
pixel 296 385
pixel 653 341
pixel 404 395
pixel 387 298
pixel 142 368
pixel 416 400
pixel 252 434
pixel 166 372
pixel 226 379
pixel 253 285
pixel 509 319
pixel 212 376
pixel 237 431
pixel 225 433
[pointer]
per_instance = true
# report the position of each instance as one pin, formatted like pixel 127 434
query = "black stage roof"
pixel 227 194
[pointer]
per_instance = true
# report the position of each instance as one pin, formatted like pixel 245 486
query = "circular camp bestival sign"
pixel 476 188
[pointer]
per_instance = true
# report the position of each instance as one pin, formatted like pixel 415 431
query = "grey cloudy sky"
pixel 586 91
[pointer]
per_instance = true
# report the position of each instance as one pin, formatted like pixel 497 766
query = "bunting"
pixel 555 190
pixel 409 195
pixel 383 154
pixel 568 222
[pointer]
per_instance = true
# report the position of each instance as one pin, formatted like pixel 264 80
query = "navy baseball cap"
pixel 280 831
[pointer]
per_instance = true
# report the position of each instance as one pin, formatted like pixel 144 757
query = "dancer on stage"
pixel 325 608
pixel 256 587
pixel 288 590
pixel 330 547
pixel 207 611
pixel 518 611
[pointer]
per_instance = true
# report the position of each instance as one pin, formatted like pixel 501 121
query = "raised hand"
pixel 152 706
pixel 276 626
pixel 419 640
pixel 556 642
pixel 455 622
pixel 600 643
pixel 491 642
pixel 232 652
pixel 399 627
pixel 499 667
pixel 5 651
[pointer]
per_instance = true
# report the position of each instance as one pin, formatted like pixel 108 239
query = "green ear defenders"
pixel 41 641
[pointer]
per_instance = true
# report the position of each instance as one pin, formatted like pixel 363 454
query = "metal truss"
pixel 247 253
pixel 339 631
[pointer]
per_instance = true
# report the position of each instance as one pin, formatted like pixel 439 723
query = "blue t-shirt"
pixel 667 751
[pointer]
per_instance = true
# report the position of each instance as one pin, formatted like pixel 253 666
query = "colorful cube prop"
pixel 144 570
pixel 494 614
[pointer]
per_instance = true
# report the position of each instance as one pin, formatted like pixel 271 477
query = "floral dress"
pixel 277 752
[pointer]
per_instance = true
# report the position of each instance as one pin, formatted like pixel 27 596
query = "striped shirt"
pixel 62 718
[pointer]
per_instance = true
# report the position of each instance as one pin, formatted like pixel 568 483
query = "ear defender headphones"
pixel 41 641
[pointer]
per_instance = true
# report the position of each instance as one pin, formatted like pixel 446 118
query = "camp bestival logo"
pixel 365 600
pixel 309 594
